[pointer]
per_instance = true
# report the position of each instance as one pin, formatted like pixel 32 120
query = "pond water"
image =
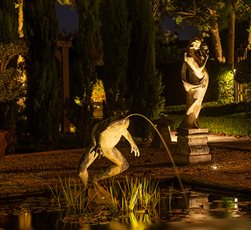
pixel 196 210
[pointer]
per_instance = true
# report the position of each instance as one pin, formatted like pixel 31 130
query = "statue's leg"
pixel 189 120
pixel 121 164
pixel 197 105
pixel 199 95
pixel 85 161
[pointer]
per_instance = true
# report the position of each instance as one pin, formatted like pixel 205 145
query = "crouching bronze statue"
pixel 105 136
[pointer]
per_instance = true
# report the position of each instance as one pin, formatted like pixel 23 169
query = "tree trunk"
pixel 216 37
pixel 231 36
pixel 3 144
pixel 249 36
pixel 20 19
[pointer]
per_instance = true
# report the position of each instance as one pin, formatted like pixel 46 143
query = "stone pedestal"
pixel 163 126
pixel 192 146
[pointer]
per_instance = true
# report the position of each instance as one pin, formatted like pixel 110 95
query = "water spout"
pixel 166 148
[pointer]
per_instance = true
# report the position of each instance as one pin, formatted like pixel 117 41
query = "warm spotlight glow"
pixel 214 167
pixel 98 92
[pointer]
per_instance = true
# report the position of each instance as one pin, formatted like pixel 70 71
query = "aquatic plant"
pixel 120 198
pixel 71 195
pixel 134 194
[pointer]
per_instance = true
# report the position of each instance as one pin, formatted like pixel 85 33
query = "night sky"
pixel 68 22
pixel 68 18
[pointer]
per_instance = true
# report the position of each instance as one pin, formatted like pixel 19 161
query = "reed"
pixel 132 195
pixel 71 196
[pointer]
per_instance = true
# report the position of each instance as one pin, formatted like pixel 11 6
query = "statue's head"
pixel 195 44
pixel 116 116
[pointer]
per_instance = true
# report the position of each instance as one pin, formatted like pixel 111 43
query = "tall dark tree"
pixel 231 34
pixel 10 87
pixel 144 83
pixel 43 104
pixel 87 42
pixel 116 38
pixel 8 21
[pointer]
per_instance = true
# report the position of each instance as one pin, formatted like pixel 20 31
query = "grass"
pixel 234 124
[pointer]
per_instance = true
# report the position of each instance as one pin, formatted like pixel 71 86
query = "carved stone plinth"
pixel 192 146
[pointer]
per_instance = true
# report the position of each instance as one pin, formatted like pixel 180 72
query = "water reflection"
pixel 202 209
pixel 198 206
pixel 226 207
pixel 24 220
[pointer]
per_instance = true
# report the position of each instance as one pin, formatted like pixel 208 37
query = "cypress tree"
pixel 10 49
pixel 87 41
pixel 8 21
pixel 43 102
pixel 144 83
pixel 116 38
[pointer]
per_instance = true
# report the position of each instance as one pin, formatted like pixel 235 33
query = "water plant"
pixel 71 196
pixel 134 194
pixel 140 195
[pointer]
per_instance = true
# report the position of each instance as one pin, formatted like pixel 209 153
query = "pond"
pixel 195 210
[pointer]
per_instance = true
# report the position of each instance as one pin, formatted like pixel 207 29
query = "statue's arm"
pixel 95 142
pixel 134 147
pixel 199 71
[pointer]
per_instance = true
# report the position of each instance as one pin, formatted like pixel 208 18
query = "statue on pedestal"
pixel 195 81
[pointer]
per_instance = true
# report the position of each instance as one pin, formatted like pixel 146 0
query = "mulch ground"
pixel 31 173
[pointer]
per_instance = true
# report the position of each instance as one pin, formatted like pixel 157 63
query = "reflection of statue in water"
pixel 195 80
pixel 105 136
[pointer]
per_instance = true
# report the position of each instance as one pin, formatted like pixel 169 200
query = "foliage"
pixel 85 46
pixel 43 101
pixel 10 48
pixel 209 18
pixel 115 25
pixel 144 81
pixel 135 194
pixel 71 195
pixel 98 93
pixel 225 85
pixel 221 82
pixel 167 49
pixel 234 124
pixel 11 82
pixel 122 198
pixel 229 125
pixel 248 92
pixel 8 19
pixel 214 108
pixel 11 85
pixel 156 100
pixel 197 13
pixel 66 2
pixel 242 74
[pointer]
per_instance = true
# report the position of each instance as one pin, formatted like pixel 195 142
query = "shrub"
pixel 225 86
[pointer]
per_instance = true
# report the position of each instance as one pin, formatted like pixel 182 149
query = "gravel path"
pixel 31 173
